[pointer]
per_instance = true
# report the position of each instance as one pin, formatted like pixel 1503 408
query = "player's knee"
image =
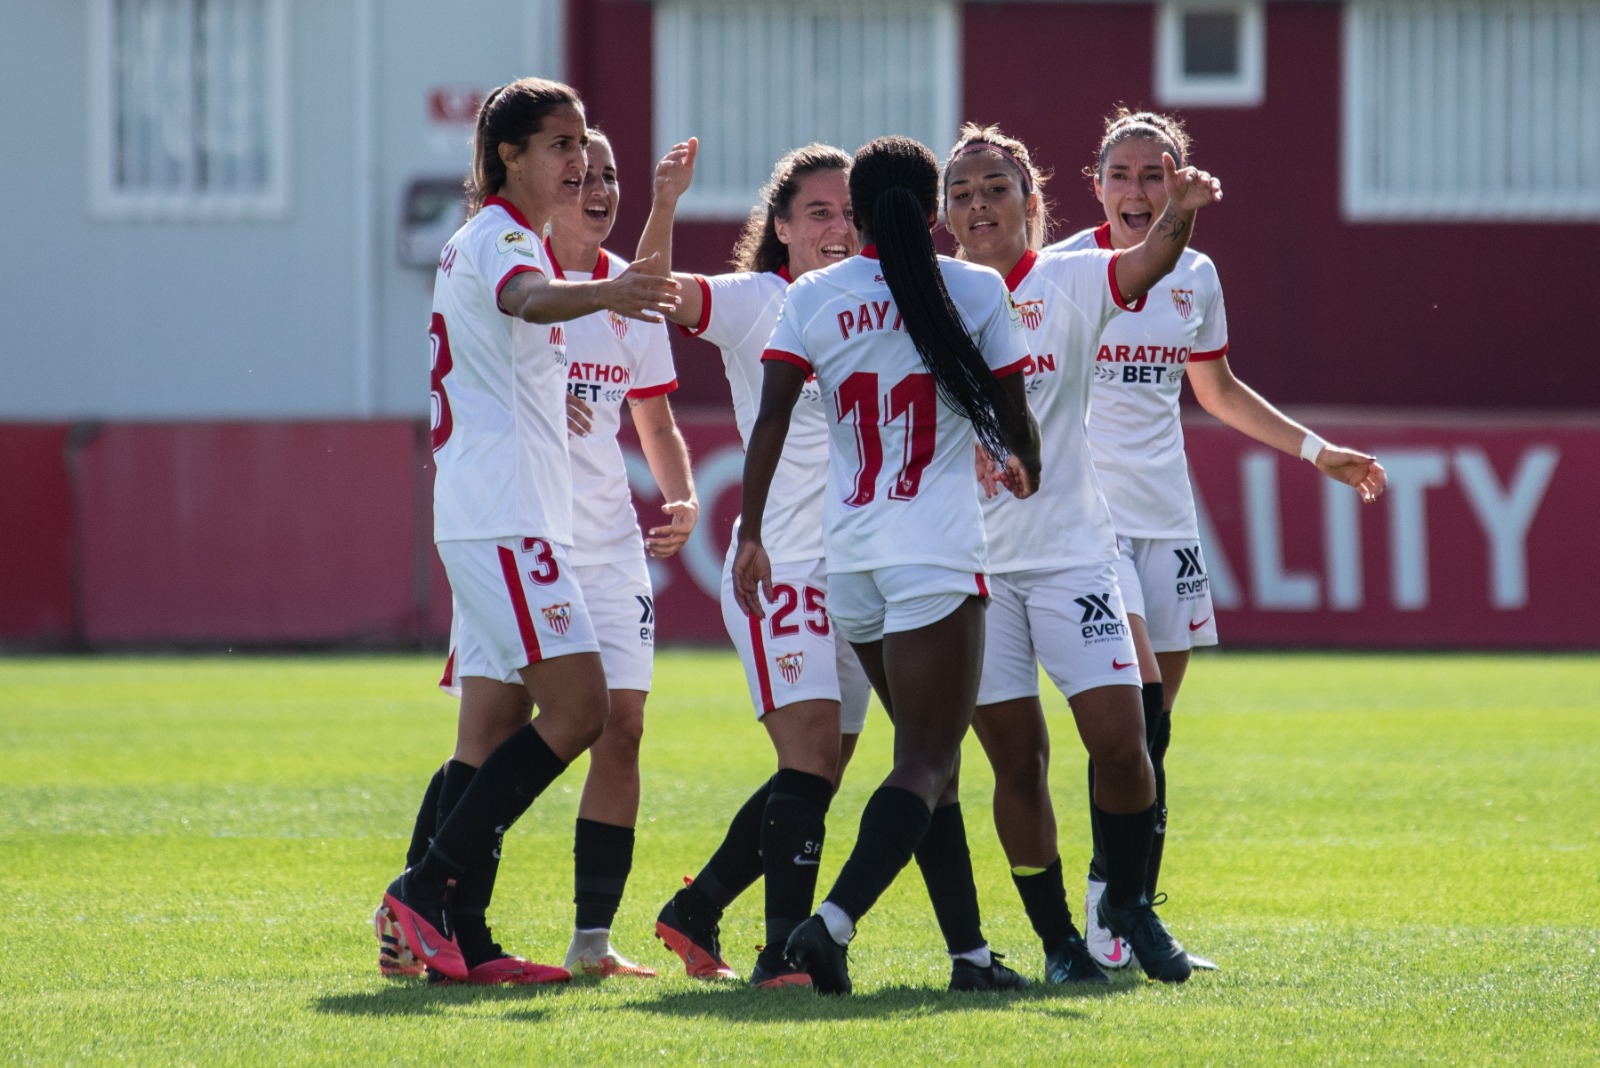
pixel 1122 757
pixel 1022 772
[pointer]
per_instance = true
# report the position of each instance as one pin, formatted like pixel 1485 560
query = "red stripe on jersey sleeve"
pixel 788 357
pixel 652 391
pixel 1013 368
pixel 519 605
pixel 983 584
pixel 448 679
pixel 1214 354
pixel 1116 292
pixel 509 275
pixel 705 311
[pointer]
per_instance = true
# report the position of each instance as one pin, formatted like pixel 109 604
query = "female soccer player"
pixel 906 349
pixel 503 520
pixel 1053 588
pixel 806 688
pixel 1137 443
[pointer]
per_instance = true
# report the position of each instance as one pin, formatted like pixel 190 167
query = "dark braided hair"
pixel 510 114
pixel 894 188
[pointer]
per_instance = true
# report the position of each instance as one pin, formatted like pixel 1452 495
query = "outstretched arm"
pixel 1248 412
pixel 674 175
pixel 752 571
pixel 668 457
pixel 1145 264
pixel 636 293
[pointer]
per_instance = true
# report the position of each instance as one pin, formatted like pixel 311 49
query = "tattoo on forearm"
pixel 1170 226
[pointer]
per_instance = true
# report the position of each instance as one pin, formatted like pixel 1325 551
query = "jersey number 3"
pixel 913 399
pixel 442 423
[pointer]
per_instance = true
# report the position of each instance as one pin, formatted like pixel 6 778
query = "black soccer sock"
pixel 892 824
pixel 1126 836
pixel 427 820
pixel 1158 730
pixel 469 901
pixel 1044 898
pixel 1097 858
pixel 516 772
pixel 736 864
pixel 792 828
pixel 602 857
pixel 946 865
pixel 457 777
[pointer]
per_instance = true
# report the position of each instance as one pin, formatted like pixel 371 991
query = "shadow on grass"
pixel 420 999
pixel 746 1006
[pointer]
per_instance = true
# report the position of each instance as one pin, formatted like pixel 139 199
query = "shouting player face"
pixel 819 230
pixel 596 209
pixel 1131 189
pixel 546 173
pixel 986 209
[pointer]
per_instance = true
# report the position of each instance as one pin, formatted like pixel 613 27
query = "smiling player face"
pixel 592 215
pixel 1130 188
pixel 819 230
pixel 986 210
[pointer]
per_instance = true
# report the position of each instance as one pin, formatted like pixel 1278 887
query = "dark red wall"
pixel 1320 310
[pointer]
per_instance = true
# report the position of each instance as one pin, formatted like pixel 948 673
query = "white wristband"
pixel 1312 447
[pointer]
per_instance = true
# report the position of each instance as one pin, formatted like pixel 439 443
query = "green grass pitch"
pixel 1394 859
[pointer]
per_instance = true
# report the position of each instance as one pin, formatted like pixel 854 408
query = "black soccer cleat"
pixel 1070 961
pixel 965 975
pixel 775 971
pixel 813 951
pixel 1202 964
pixel 694 939
pixel 1160 955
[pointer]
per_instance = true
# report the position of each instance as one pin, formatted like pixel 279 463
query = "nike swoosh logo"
pixel 1116 951
pixel 1117 665
pixel 1197 626
pixel 798 859
pixel 422 941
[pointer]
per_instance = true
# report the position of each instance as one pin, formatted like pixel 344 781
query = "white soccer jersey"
pixel 737 315
pixel 1134 429
pixel 609 357
pixel 900 470
pixel 1064 299
pixel 499 400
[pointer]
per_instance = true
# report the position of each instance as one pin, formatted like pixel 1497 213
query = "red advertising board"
pixel 1471 547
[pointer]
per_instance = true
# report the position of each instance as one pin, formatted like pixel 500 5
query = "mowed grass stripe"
pixel 1393 857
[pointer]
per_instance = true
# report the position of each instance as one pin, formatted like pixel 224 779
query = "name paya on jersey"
pixel 1032 313
pixel 518 241
pixel 871 316
pixel 790 665
pixel 558 616
pixel 1183 300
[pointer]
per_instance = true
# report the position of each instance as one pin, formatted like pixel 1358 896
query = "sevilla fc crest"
pixel 619 325
pixel 1183 300
pixel 558 616
pixel 790 665
pixel 1032 312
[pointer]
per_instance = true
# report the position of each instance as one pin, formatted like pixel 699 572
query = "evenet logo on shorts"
pixel 558 616
pixel 1100 622
pixel 647 619
pixel 1192 579
pixel 790 665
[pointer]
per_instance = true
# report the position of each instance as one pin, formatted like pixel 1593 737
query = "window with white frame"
pixel 1472 110
pixel 187 109
pixel 755 80
pixel 1210 53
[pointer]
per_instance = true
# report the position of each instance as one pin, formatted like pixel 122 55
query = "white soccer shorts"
pixel 1164 582
pixel 1069 619
pixel 623 611
pixel 791 655
pixel 869 604
pixel 515 602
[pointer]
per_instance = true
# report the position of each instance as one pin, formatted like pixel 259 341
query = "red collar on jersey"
pixel 1020 271
pixel 511 210
pixel 1102 235
pixel 870 251
pixel 602 268
pixel 783 273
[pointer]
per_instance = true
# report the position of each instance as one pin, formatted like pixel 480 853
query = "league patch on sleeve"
pixel 519 241
pixel 1013 313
